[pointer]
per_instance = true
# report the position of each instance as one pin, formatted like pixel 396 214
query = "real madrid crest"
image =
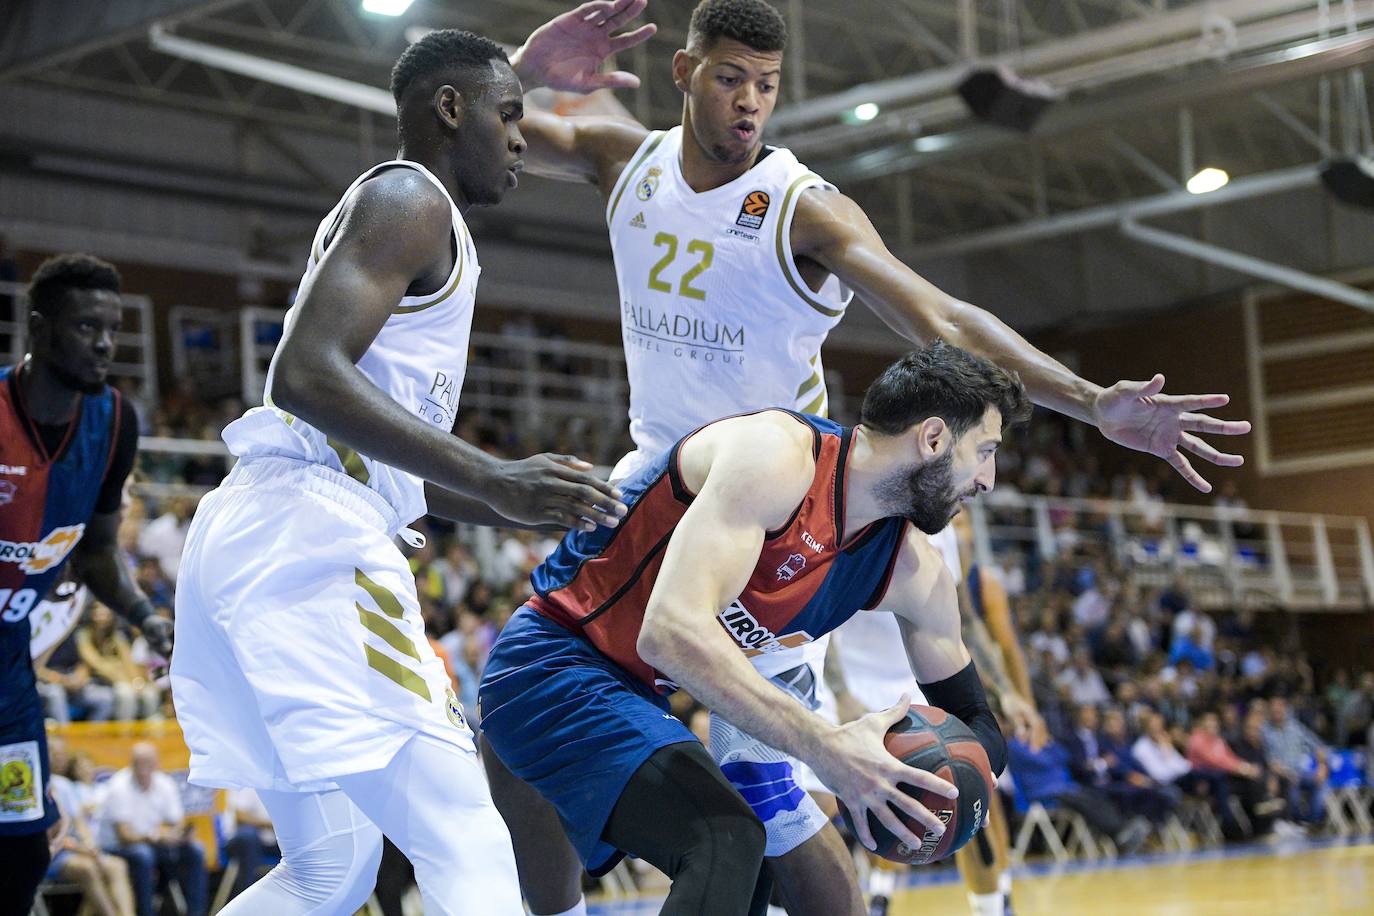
pixel 455 710
pixel 648 184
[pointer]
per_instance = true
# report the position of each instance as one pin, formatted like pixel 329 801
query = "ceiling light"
pixel 386 7
pixel 866 112
pixel 1209 179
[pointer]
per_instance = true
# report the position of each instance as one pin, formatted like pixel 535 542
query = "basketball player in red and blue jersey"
pixel 67 443
pixel 754 534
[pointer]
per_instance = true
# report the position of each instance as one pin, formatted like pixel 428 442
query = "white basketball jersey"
pixel 418 358
pixel 715 317
pixel 869 645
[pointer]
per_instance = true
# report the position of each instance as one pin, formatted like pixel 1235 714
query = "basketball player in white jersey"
pixel 302 669
pixel 734 261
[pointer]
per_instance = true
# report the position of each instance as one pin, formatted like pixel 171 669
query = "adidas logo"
pixel 638 221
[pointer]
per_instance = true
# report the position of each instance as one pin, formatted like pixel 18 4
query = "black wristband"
pixel 962 695
pixel 140 611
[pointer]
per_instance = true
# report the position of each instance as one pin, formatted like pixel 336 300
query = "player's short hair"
pixel 941 380
pixel 750 22
pixel 60 274
pixel 445 52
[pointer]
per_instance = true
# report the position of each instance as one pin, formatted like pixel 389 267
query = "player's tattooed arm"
pixel 749 475
pixel 566 54
pixel 394 238
pixel 834 232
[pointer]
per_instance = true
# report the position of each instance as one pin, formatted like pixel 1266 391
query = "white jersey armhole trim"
pixel 650 143
pixel 407 304
pixel 783 245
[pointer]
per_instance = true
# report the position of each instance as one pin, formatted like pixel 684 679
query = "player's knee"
pixel 731 837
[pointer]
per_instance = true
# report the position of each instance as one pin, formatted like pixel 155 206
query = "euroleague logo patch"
pixel 753 210
pixel 36 557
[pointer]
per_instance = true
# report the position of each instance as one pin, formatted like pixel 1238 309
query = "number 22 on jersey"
pixel 704 253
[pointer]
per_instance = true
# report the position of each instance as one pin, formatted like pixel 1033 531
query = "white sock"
pixel 881 882
pixel 1004 884
pixel 985 904
pixel 579 909
pixel 776 910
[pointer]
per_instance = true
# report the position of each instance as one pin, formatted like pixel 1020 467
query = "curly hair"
pixel 750 22
pixel 440 52
pixel 63 273
pixel 941 380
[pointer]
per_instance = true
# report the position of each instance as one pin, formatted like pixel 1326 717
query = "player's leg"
pixel 329 857
pixel 983 863
pixel 679 813
pixel 432 801
pixel 550 871
pixel 817 877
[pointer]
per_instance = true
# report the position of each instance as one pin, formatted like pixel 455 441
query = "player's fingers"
pixel 1143 389
pixel 1204 450
pixel 630 39
pixel 624 11
pixel 914 810
pixel 1195 401
pixel 595 11
pixel 894 713
pixel 588 500
pixel 1201 423
pixel 924 779
pixel 572 461
pixel 1185 468
pixel 858 816
pixel 583 510
pixel 620 79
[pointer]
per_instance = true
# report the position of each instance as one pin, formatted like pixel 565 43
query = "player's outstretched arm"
pixel 395 230
pixel 924 599
pixel 97 562
pixel 832 230
pixel 752 473
pixel 566 53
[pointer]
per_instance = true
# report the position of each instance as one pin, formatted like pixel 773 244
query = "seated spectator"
pixel 467 671
pixel 1211 756
pixel 103 878
pixel 253 838
pixel 1123 778
pixel 1114 654
pixel 62 678
pixel 1082 682
pixel 1043 776
pixel 1048 639
pixel 1188 646
pixel 1354 710
pixel 146 826
pixel 164 537
pixel 1248 745
pixel 119 687
pixel 1288 744
pixel 1159 757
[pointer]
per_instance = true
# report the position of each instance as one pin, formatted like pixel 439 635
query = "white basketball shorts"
pixel 300 652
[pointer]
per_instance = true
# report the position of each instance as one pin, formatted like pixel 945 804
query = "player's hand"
pixel 57 833
pixel 157 631
pixel 863 774
pixel 1025 722
pixel 1139 415
pixel 566 52
pixel 555 490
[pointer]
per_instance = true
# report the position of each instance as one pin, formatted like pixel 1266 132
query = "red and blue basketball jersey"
pixel 811 575
pixel 45 502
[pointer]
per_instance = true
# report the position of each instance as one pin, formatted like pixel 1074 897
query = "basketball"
pixel 933 740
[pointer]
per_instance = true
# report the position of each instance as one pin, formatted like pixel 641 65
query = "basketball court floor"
pixel 1303 878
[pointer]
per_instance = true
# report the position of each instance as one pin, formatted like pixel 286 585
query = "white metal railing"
pixel 260 331
pixel 136 343
pixel 1228 556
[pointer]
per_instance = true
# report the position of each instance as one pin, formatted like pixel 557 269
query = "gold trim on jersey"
pixel 387 666
pixel 628 175
pixel 436 298
pixel 807 295
pixel 811 382
pixel 387 630
pixel 389 604
pixel 816 406
pixel 352 462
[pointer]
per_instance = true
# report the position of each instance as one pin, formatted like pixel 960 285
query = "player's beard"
pixel 924 495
